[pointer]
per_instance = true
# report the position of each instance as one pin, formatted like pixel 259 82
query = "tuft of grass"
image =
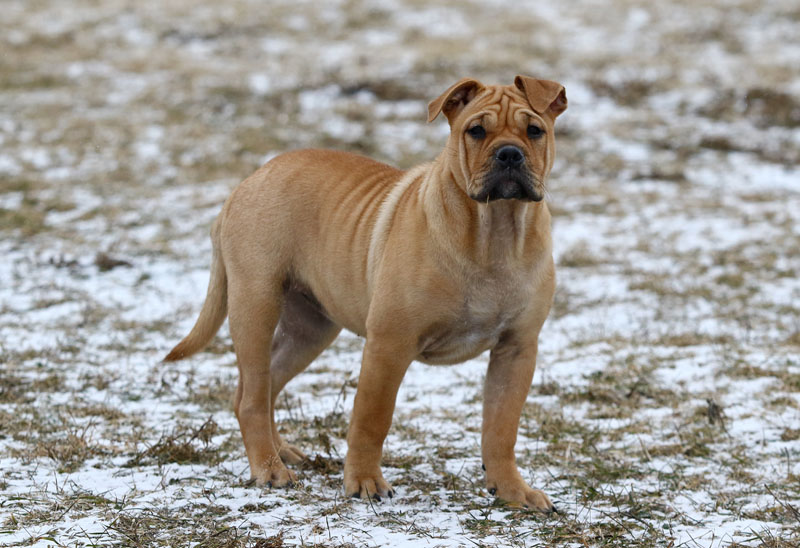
pixel 790 434
pixel 64 439
pixel 579 255
pixel 208 526
pixel 180 446
pixel 106 262
pixel 27 220
pixel 629 93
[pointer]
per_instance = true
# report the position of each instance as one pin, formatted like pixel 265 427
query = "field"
pixel 665 409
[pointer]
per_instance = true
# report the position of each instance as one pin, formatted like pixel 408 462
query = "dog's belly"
pixel 451 346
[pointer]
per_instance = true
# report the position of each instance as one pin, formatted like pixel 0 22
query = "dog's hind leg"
pixel 254 307
pixel 303 332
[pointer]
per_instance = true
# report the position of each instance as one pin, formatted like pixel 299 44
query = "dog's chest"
pixel 474 326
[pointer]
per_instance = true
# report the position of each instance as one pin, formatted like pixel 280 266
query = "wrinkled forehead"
pixel 501 106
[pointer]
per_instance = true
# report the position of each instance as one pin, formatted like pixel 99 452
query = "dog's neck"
pixel 501 229
pixel 497 232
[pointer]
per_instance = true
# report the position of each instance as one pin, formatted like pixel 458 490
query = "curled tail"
pixel 214 310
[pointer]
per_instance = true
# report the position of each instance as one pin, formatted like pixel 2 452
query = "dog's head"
pixel 502 136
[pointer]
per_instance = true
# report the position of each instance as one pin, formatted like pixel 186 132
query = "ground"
pixel 665 409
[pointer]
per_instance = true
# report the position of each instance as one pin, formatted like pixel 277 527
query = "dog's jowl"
pixel 437 264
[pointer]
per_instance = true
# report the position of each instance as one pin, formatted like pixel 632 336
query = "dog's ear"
pixel 545 96
pixel 453 101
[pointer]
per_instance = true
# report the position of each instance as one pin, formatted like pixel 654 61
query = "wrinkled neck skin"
pixel 496 232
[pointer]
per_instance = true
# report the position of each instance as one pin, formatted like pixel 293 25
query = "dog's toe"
pixel 537 500
pixel 369 487
pixel 291 454
pixel 275 475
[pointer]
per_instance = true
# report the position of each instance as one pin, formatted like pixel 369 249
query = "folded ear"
pixel 544 96
pixel 453 101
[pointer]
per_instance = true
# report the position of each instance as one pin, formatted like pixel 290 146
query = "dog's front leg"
pixel 382 369
pixel 508 380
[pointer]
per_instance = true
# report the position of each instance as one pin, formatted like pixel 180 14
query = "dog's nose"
pixel 509 156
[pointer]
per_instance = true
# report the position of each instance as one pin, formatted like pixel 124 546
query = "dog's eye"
pixel 534 132
pixel 477 132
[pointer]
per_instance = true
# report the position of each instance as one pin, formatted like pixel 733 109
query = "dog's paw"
pixel 291 454
pixel 520 495
pixel 274 474
pixel 367 485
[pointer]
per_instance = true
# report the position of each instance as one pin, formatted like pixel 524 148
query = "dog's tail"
pixel 214 310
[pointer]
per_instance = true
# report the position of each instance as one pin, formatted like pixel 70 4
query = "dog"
pixel 437 263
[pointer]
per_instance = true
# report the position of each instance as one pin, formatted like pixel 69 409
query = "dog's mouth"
pixel 508 185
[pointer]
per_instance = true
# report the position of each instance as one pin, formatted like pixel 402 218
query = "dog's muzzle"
pixel 508 178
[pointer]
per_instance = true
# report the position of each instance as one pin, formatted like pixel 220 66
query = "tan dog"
pixel 436 264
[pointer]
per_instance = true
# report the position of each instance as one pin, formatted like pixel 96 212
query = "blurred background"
pixel 118 93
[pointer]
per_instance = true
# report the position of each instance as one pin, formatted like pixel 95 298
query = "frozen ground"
pixel 665 409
